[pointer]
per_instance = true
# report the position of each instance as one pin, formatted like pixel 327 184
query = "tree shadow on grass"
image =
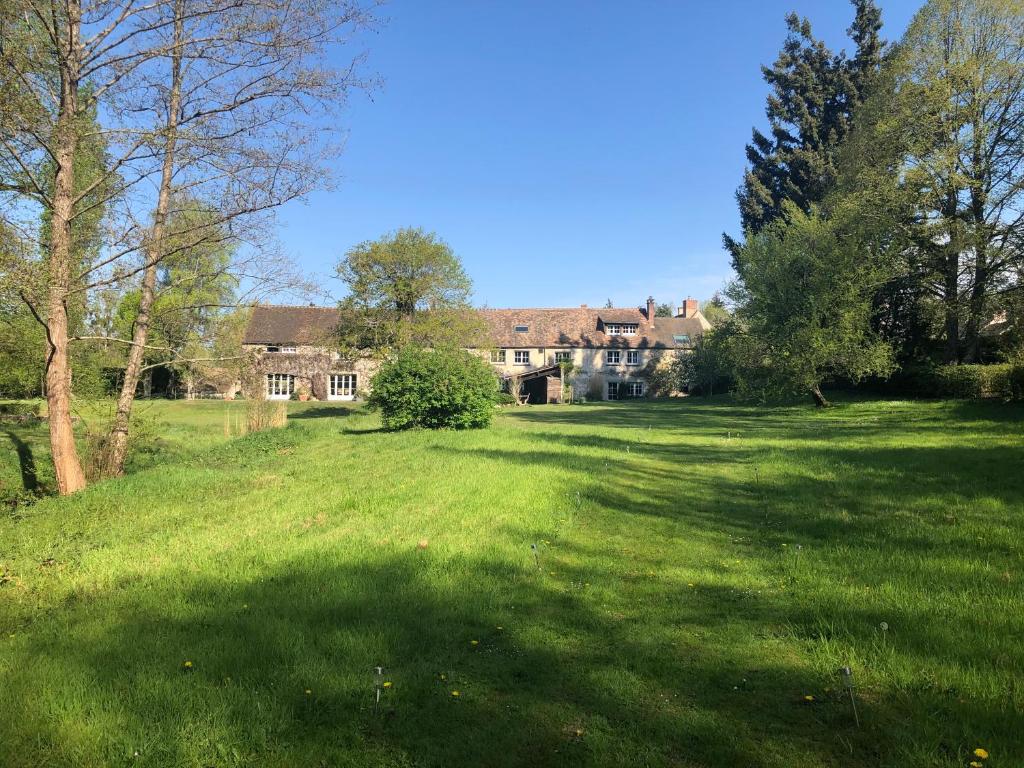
pixel 565 680
pixel 26 461
pixel 322 411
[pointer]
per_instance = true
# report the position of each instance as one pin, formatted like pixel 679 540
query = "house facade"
pixel 614 353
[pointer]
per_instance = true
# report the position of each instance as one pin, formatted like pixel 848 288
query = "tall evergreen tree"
pixel 810 107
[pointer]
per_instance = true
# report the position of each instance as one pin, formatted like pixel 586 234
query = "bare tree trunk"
pixel 67 465
pixel 117 441
pixel 819 398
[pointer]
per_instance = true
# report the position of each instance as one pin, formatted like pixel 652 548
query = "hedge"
pixel 976 382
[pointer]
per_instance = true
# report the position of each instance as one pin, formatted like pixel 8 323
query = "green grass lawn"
pixel 705 569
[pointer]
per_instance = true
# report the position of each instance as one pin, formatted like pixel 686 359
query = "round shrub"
pixel 437 389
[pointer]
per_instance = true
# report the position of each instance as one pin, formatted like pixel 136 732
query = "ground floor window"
pixel 341 385
pixel 635 389
pixel 613 390
pixel 563 357
pixel 280 385
pixel 497 355
pixel 521 357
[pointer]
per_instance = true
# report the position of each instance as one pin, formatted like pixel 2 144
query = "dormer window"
pixel 522 328
pixel 681 338
pixel 621 329
pixel 281 349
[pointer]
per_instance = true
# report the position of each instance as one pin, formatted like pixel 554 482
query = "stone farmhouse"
pixel 614 352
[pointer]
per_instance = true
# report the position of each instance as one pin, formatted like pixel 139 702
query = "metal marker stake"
pixel 377 680
pixel 847 674
pixel 536 555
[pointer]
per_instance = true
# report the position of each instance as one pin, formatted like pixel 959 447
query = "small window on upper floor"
pixel 522 328
pixel 288 349
pixel 681 338
pixel 273 349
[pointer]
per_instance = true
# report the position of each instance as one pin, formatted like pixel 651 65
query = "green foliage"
pixel 976 382
pixel 810 110
pixel 708 368
pixel 803 300
pixel 664 310
pixel 437 389
pixel 939 147
pixel 407 287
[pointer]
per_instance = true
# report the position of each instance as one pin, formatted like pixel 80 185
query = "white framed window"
pixel 634 389
pixel 341 386
pixel 612 357
pixel 621 329
pixel 633 357
pixel 280 349
pixel 613 390
pixel 563 357
pixel 290 350
pixel 521 357
pixel 280 386
pixel 497 355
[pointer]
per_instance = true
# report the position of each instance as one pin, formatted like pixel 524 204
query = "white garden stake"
pixel 378 680
pixel 536 555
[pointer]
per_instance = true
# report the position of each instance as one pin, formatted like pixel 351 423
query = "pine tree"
pixel 814 94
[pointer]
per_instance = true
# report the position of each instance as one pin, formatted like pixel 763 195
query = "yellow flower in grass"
pixel 387 683
pixel 187 665
pixel 975 764
pixel 308 692
pixel 456 694
pixel 474 642
pixel 979 752
pixel 808 698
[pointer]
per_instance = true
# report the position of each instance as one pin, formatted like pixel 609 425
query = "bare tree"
pixel 231 102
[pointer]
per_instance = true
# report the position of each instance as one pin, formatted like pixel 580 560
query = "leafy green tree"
pixel 714 310
pixel 435 388
pixel 803 305
pixel 941 148
pixel 664 310
pixel 407 287
pixel 814 93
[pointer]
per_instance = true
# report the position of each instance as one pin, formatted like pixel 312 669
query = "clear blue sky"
pixel 569 151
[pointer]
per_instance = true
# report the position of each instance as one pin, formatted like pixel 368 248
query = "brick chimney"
pixel 689 307
pixel 650 310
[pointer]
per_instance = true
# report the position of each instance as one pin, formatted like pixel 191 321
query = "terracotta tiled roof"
pixel 578 327
pixel 584 327
pixel 290 325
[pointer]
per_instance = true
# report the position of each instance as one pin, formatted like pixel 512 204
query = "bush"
pixel 438 389
pixel 974 382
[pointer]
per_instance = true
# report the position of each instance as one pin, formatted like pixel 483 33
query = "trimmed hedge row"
pixel 976 382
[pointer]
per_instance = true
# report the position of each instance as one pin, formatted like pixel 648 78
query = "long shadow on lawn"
pixel 562 682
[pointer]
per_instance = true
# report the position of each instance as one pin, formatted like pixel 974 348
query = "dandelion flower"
pixel 474 642
pixel 808 698
pixel 308 692
pixel 187 665
pixel 690 584
pixel 499 628
pixel 387 683
pixel 975 764
pixel 979 752
pixel 456 694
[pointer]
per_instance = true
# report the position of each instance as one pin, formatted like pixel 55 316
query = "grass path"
pixel 704 569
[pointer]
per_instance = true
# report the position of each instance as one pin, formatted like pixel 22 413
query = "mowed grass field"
pixel 702 570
